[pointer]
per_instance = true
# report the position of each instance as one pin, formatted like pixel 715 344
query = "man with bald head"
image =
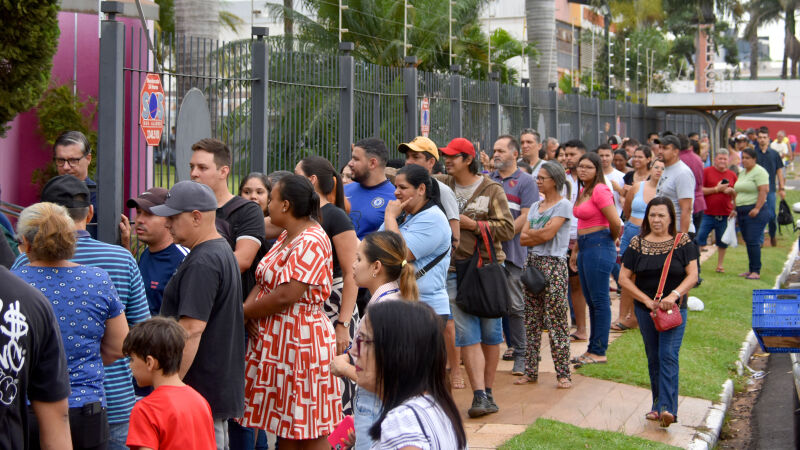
pixel 205 296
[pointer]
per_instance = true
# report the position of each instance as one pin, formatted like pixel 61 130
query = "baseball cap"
pixel 67 191
pixel 186 196
pixel 750 131
pixel 741 137
pixel 671 140
pixel 420 144
pixel 152 197
pixel 457 146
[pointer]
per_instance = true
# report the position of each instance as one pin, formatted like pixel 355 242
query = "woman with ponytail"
pixel 380 267
pixel 289 387
pixel 90 316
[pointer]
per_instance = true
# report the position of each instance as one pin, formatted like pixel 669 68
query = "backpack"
pixel 224 227
pixel 785 216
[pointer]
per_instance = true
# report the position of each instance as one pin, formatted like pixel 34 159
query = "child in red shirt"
pixel 174 416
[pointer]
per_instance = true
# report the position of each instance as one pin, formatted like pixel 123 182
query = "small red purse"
pixel 667 320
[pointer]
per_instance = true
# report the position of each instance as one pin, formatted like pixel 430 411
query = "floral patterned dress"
pixel 289 388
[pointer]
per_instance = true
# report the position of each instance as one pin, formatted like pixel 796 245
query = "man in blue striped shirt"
pixel 73 194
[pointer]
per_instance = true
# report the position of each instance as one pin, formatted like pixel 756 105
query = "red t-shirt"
pixel 172 417
pixel 718 204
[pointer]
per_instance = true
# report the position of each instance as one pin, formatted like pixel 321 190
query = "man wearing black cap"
pixel 162 256
pixel 205 296
pixel 72 193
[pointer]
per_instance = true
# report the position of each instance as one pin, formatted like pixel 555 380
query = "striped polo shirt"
pixel 124 273
pixel 521 191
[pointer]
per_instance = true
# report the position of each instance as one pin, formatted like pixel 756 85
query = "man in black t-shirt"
pixel 242 220
pixel 205 295
pixel 33 369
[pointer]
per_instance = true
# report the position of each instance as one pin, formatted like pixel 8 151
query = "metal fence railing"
pixel 274 106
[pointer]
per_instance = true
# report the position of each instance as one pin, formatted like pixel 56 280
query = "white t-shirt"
pixel 677 182
pixel 417 422
pixel 448 198
pixel 619 178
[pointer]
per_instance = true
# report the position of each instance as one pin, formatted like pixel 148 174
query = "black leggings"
pixel 88 426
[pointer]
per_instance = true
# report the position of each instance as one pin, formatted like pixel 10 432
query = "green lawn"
pixel 549 434
pixel 713 336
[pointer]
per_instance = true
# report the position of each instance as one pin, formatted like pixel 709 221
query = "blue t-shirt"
pixel 124 273
pixel 427 235
pixel 157 268
pixel 91 227
pixel 367 205
pixel 83 298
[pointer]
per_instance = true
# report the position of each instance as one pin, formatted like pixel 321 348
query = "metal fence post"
pixel 597 119
pixel 346 99
pixel 410 84
pixel 260 89
pixel 456 125
pixel 494 106
pixel 554 108
pixel 578 116
pixel 109 124
pixel 526 104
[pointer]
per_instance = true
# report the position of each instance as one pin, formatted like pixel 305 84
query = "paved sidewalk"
pixel 591 403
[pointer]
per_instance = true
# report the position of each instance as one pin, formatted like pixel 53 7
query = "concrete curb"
pixel 708 433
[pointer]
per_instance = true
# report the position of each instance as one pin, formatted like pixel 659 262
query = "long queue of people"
pixel 308 297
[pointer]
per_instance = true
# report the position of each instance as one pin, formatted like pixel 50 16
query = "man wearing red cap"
pixel 479 199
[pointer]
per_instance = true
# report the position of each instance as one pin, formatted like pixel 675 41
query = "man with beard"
pixel 370 191
pixel 521 191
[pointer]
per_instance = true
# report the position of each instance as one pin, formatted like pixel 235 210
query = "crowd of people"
pixel 327 304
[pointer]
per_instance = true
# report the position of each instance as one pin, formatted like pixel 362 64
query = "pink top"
pixel 589 212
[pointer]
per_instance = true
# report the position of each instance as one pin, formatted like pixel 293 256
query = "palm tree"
pixel 761 12
pixel 541 19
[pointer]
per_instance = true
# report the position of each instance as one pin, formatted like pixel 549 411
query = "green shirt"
pixel 747 185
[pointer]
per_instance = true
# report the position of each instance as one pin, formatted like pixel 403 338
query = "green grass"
pixel 549 434
pixel 714 336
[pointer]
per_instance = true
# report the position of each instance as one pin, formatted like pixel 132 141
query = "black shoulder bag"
pixel 482 288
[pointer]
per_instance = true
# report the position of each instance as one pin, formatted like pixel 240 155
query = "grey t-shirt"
pixel 448 198
pixel 677 182
pixel 560 242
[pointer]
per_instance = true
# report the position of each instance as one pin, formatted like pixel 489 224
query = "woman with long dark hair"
pixel 418 410
pixel 595 255
pixel 289 387
pixel 644 260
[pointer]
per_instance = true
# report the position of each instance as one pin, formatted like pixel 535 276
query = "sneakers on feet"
pixel 493 408
pixel 481 406
pixel 519 366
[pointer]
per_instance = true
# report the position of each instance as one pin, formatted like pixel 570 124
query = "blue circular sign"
pixel 153 105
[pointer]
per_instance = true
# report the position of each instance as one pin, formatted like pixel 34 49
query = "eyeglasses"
pixel 361 340
pixel 61 162
pixel 541 179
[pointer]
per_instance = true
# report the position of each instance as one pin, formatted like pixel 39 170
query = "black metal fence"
pixel 273 107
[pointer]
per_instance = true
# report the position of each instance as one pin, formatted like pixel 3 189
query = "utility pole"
pixel 450 4
pixel 638 68
pixel 342 7
pixel 406 26
pixel 625 78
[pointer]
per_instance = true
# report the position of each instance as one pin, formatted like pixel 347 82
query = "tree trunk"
pixel 197 18
pixel 789 30
pixel 541 19
pixel 753 56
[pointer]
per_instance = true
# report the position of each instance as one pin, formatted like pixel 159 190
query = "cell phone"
pixel 338 438
pixel 724 181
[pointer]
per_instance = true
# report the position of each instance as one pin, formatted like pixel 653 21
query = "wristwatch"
pixel 344 324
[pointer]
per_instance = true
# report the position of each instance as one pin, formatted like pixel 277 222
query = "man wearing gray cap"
pixel 205 296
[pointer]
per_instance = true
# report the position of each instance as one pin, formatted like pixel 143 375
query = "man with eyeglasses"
pixel 72 155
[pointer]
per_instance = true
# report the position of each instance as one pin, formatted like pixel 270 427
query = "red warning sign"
pixel 152 111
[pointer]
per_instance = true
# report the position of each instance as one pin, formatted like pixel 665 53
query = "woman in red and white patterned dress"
pixel 289 388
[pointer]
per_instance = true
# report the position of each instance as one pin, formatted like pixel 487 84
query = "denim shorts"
pixel 366 411
pixel 471 330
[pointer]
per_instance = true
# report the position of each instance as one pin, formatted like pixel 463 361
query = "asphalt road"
pixel 773 415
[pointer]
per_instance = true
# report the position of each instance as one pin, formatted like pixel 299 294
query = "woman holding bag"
pixel 546 234
pixel 664 264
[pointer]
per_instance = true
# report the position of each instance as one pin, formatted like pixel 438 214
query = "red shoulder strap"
pixel 665 270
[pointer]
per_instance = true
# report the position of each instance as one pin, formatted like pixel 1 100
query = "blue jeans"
pixel 662 350
pixel 716 223
pixel 366 410
pixel 752 229
pixel 771 215
pixel 597 256
pixel 630 230
pixel 117 435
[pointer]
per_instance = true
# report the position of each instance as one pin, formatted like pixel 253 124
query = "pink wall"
pixel 22 150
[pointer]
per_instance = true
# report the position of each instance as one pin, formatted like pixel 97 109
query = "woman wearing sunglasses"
pixel 381 268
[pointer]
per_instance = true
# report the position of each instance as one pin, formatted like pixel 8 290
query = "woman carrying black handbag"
pixel 546 234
